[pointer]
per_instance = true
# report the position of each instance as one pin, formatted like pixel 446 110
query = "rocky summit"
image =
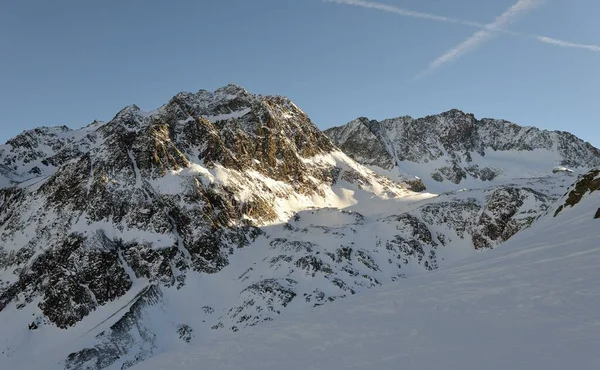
pixel 224 210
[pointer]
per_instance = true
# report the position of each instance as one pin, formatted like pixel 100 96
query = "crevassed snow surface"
pixel 532 304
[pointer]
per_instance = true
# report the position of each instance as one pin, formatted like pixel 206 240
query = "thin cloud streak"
pixel 566 44
pixel 438 18
pixel 465 47
pixel 405 12
pixel 482 36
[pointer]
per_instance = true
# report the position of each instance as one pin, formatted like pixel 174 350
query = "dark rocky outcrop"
pixel 127 337
pixel 502 217
pixel 586 184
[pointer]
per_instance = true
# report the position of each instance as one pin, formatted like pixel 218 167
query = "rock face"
pixel 223 210
pixel 585 185
pixel 157 194
pixel 455 148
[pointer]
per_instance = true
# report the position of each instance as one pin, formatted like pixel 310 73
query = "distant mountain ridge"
pixel 455 148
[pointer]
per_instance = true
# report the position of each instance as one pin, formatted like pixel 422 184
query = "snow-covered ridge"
pixel 39 152
pixel 454 150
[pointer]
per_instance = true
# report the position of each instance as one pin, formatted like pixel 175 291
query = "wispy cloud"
pixel 486 32
pixel 566 44
pixel 482 36
pixel 470 44
pixel 404 12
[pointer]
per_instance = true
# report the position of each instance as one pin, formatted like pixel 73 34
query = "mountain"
pixel 528 305
pixel 217 212
pixel 454 150
pixel 39 152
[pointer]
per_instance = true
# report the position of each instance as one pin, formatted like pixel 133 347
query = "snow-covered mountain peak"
pixel 228 125
pixel 231 90
pixel 454 117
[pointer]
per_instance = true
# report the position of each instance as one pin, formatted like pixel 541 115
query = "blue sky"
pixel 71 61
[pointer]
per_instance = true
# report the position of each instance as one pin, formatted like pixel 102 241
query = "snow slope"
pixel 533 304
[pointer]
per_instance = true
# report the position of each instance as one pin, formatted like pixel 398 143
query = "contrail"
pixel 404 12
pixel 482 36
pixel 461 49
pixel 433 17
pixel 566 44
